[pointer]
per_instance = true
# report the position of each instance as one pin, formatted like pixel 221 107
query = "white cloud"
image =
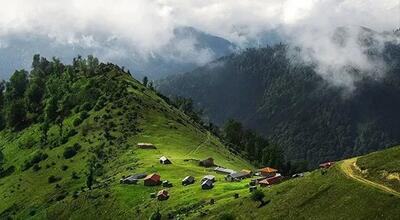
pixel 145 27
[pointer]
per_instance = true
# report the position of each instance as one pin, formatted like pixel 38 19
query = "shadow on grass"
pixel 263 203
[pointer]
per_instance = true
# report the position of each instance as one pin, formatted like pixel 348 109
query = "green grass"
pixel 28 194
pixel 316 196
pixel 382 167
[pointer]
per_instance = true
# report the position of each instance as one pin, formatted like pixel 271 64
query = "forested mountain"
pixel 287 101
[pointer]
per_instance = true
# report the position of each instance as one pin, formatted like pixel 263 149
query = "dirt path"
pixel 348 166
pixel 200 145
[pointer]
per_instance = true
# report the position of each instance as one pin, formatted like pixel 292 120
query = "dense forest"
pixel 289 103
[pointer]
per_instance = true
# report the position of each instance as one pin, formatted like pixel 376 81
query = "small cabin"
pixel 207 184
pixel 267 172
pixel 224 170
pixel 166 183
pixel 209 162
pixel 162 195
pixel 188 180
pixel 152 180
pixel 326 165
pixel 133 179
pixel 164 160
pixel 146 146
pixel 237 176
pixel 208 177
pixel 271 180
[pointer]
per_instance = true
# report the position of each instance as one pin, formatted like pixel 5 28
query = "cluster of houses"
pixel 263 177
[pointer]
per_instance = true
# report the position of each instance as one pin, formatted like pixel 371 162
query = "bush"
pixel 70 152
pixel 64 167
pixel 86 107
pixel 257 195
pixel 36 167
pixel 84 115
pixel 155 216
pixel 53 179
pixel 34 160
pixel 77 121
pixel 227 216
pixel 6 172
pixel 71 133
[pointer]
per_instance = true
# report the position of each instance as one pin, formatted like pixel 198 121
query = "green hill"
pixel 70 133
pixel 99 140
pixel 332 195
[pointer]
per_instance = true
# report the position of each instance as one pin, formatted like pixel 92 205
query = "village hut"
pixel 209 162
pixel 326 165
pixel 164 160
pixel 162 195
pixel 252 188
pixel 188 180
pixel 133 179
pixel 146 146
pixel 166 183
pixel 207 184
pixel 267 172
pixel 248 171
pixel 152 180
pixel 271 180
pixel 237 176
pixel 208 177
pixel 224 170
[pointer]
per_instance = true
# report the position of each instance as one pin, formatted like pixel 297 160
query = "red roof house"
pixel 271 180
pixel 152 180
pixel 326 165
pixel 162 195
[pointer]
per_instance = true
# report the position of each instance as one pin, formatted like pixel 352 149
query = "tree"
pixel 258 195
pixel 233 132
pixel 145 81
pixel 34 94
pixel 51 109
pixel 16 114
pixel 17 85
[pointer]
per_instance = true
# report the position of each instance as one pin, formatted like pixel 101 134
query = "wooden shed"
pixel 209 162
pixel 146 146
pixel 162 195
pixel 267 172
pixel 152 180
pixel 188 180
pixel 164 160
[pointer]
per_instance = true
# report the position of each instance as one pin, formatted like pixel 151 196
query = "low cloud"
pixel 145 29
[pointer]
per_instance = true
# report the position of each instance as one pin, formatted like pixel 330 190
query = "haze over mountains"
pixel 314 110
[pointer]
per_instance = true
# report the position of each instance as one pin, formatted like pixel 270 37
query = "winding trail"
pixel 200 145
pixel 348 166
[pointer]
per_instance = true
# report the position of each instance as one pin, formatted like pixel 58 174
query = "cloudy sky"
pixel 146 27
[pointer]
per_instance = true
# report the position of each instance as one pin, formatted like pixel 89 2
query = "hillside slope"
pixel 330 195
pixel 44 180
pixel 291 104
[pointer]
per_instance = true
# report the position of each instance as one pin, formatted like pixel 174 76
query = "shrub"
pixel 64 167
pixel 227 216
pixel 258 195
pixel 70 152
pixel 71 133
pixel 155 216
pixel 6 172
pixel 34 160
pixel 84 115
pixel 86 106
pixel 53 179
pixel 36 167
pixel 77 121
